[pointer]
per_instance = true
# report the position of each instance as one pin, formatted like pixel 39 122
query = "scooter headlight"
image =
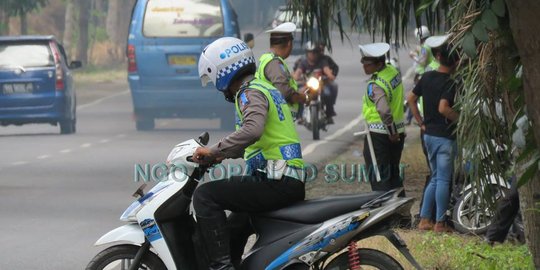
pixel 131 212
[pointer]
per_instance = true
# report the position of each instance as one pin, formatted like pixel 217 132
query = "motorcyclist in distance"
pixel 314 60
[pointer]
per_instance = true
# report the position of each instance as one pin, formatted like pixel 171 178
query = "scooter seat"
pixel 318 210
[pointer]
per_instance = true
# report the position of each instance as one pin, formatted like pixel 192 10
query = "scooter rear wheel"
pixel 369 259
pixel 120 258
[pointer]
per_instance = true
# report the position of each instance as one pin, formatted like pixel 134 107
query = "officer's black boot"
pixel 216 240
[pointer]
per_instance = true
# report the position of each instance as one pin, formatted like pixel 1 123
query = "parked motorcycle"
pixel 471 212
pixel 161 231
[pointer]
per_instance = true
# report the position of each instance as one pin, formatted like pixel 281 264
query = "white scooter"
pixel 315 234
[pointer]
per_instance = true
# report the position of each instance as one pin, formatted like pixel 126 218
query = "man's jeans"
pixel 441 153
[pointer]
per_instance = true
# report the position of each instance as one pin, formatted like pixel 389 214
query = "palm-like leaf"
pixel 475 30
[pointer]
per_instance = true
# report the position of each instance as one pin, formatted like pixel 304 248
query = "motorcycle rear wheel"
pixel 470 215
pixel 369 259
pixel 120 258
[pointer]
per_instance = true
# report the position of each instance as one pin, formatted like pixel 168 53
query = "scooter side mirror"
pixel 204 138
pixel 139 193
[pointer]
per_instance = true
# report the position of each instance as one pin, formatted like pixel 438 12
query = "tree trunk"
pixel 24 24
pixel 82 45
pixel 112 20
pixel 525 25
pixel 4 21
pixel 123 26
pixel 99 19
pixel 68 26
pixel 113 29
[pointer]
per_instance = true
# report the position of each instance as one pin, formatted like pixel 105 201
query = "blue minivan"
pixel 36 84
pixel 165 40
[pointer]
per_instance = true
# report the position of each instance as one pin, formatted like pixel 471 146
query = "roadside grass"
pixel 93 83
pixel 453 251
pixel 431 250
pixel 93 74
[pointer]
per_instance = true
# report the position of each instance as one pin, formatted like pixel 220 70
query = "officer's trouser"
pixel 388 156
pixel 245 194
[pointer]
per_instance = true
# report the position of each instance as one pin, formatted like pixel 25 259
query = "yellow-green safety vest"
pixel 389 79
pixel 421 69
pixel 263 61
pixel 279 140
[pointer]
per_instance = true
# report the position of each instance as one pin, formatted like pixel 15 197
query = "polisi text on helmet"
pixel 233 50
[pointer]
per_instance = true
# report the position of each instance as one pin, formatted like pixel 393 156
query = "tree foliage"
pixel 21 7
pixel 492 98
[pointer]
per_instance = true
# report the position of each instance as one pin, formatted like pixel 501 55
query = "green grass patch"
pixel 92 74
pixel 453 251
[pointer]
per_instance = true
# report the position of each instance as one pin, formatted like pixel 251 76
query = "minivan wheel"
pixel 145 124
pixel 68 126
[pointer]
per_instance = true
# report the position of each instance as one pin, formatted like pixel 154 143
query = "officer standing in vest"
pixel 274 70
pixel 267 139
pixel 383 111
pixel 422 56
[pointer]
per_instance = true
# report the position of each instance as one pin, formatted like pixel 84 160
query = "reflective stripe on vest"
pixel 388 79
pixel 263 61
pixel 279 140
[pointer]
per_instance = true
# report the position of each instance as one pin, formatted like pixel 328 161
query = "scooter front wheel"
pixel 120 258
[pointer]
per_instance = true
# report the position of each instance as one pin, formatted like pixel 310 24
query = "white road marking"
pixel 97 101
pixel 18 163
pixel 120 135
pixel 86 145
pixel 43 157
pixel 65 151
pixel 104 141
pixel 311 147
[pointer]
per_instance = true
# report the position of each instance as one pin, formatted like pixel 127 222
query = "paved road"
pixel 59 194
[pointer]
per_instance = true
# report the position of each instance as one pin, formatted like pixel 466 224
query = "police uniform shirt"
pixel 278 74
pixel 377 95
pixel 254 107
pixel 421 56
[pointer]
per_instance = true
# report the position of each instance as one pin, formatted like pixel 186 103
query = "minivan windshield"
pixel 186 18
pixel 25 55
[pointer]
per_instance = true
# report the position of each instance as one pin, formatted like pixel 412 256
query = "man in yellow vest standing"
pixel 382 109
pixel 274 70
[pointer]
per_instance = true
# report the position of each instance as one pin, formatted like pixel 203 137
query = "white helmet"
pixel 222 60
pixel 422 32
pixel 310 46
